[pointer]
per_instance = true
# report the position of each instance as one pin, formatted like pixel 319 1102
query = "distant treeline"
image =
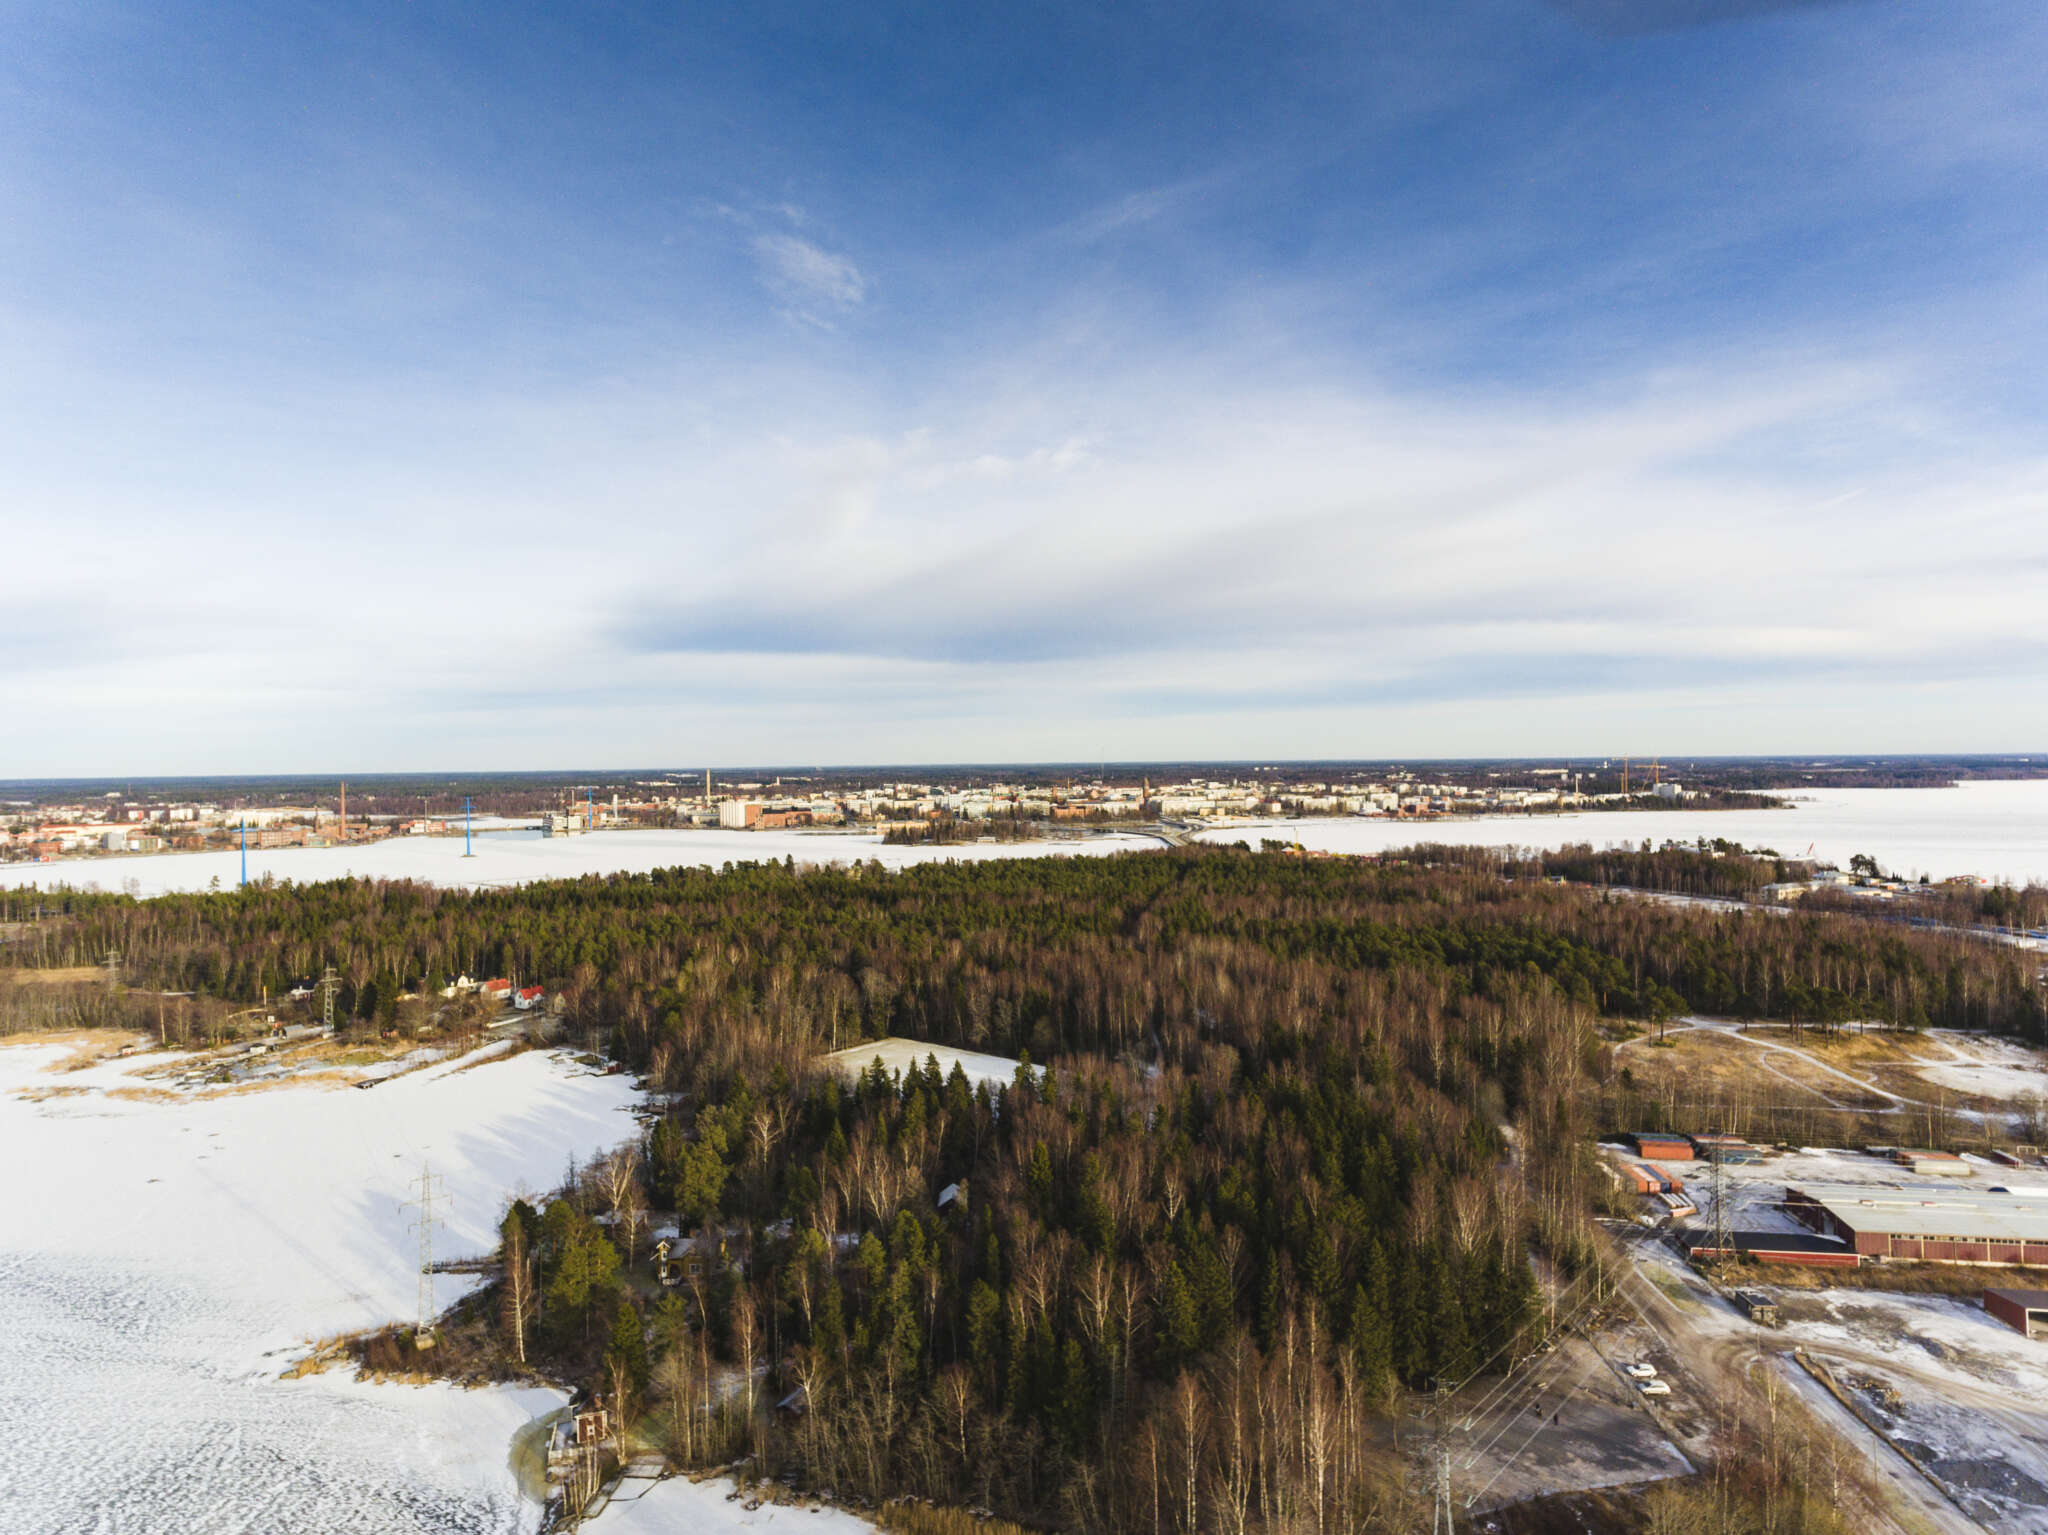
pixel 2003 906
pixel 1057 948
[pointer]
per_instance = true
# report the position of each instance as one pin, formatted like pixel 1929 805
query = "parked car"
pixel 1641 1371
pixel 1654 1387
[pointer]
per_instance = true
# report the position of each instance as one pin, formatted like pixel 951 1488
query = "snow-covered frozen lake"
pixel 162 1262
pixel 1996 829
pixel 519 857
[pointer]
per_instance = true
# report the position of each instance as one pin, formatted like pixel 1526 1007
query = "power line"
pixel 1531 1439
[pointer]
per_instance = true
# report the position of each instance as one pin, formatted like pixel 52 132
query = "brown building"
pixel 1662 1148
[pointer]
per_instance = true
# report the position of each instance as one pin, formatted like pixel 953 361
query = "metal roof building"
pixel 1934 1225
pixel 1770 1247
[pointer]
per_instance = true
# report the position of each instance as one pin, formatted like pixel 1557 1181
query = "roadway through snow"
pixel 1719 1359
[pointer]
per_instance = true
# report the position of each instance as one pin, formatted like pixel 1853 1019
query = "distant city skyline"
pixel 407 384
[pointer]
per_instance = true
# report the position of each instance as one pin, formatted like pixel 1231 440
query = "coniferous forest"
pixel 1290 1137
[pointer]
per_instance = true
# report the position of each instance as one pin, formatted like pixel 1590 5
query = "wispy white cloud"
pixel 818 284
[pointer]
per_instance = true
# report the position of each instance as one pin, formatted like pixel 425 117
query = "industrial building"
pixel 1929 1224
pixel 2024 1311
pixel 1939 1164
pixel 1769 1247
pixel 1661 1148
pixel 1647 1180
pixel 1724 1148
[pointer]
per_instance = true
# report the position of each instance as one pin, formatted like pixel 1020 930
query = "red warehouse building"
pixel 1927 1225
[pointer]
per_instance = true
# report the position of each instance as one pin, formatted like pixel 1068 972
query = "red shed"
pixel 2024 1311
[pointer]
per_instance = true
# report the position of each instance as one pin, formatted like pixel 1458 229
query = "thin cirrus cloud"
pixel 816 284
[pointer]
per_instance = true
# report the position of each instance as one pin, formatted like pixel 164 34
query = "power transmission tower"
pixel 330 983
pixel 1444 1511
pixel 1444 1520
pixel 113 964
pixel 431 1193
pixel 1724 1237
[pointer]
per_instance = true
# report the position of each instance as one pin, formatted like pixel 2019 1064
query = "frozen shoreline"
pixel 1996 829
pixel 163 1262
pixel 518 858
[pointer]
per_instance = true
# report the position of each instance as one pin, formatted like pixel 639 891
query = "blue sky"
pixel 391 386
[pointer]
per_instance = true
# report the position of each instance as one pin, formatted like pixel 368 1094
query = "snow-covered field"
pixel 162 1262
pixel 1995 829
pixel 678 1506
pixel 519 857
pixel 896 1055
pixel 1986 1067
pixel 1935 1335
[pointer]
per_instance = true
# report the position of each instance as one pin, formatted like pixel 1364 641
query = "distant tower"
pixel 245 850
pixel 344 810
pixel 707 786
pixel 467 851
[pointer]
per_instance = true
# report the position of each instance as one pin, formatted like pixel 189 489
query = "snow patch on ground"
pixel 1987 1067
pixel 898 1055
pixel 678 1506
pixel 164 1261
pixel 1934 1334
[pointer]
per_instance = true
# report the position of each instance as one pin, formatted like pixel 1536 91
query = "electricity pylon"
pixel 429 1185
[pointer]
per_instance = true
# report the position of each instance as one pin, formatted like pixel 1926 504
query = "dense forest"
pixel 1305 1133
pixel 761 965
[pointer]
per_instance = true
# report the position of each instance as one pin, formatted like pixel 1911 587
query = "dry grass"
pixel 324 1355
pixel 1849 1049
pixel 910 1518
pixel 518 1047
pixel 266 1084
pixel 1897 1278
pixel 88 1046
pixel 1704 1066
pixel 57 975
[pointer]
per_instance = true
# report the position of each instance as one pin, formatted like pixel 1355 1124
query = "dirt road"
pixel 1723 1361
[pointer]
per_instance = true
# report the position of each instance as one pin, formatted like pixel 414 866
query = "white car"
pixel 1654 1387
pixel 1640 1371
